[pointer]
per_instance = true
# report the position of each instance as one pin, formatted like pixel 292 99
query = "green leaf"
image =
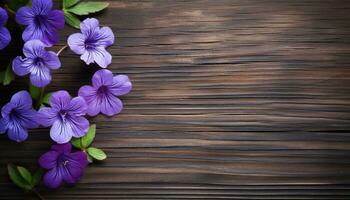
pixel 76 142
pixel 8 75
pixel 69 3
pixel 16 4
pixel 87 139
pixel 46 98
pixel 17 178
pixel 37 177
pixel 34 92
pixel 96 153
pixel 85 8
pixel 25 173
pixel 72 20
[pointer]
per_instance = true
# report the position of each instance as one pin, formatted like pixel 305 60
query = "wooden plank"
pixel 232 99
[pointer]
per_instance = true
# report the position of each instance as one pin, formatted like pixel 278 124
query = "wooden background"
pixel 232 99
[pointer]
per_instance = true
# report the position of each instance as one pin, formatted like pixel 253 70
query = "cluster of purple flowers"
pixel 66 115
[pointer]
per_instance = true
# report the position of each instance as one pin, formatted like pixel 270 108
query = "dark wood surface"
pixel 232 99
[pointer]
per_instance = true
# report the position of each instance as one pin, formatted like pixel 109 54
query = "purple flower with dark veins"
pixel 91 44
pixel 5 36
pixel 65 116
pixel 42 22
pixel 103 95
pixel 37 62
pixel 17 116
pixel 62 165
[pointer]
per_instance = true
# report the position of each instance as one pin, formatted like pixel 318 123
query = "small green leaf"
pixel 34 92
pixel 96 153
pixel 17 178
pixel 37 177
pixel 25 173
pixel 85 8
pixel 8 75
pixel 46 99
pixel 16 4
pixel 89 137
pixel 69 3
pixel 76 142
pixel 72 20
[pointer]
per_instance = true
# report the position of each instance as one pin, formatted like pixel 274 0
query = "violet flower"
pixel 102 96
pixel 91 44
pixel 65 116
pixel 42 22
pixel 17 116
pixel 5 36
pixel 37 63
pixel 62 165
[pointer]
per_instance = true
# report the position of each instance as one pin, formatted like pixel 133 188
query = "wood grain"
pixel 231 99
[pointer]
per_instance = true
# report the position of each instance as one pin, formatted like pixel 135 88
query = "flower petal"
pixel 22 100
pixel 87 57
pixel 3 17
pixel 34 49
pixel 77 161
pixel 16 132
pixel 66 176
pixel 62 148
pixel 94 107
pixel 79 126
pixel 101 57
pixel 41 7
pixel 111 105
pixel 25 16
pixel 47 116
pixel 61 132
pixel 5 37
pixel 76 43
pixel 89 26
pixel 27 118
pixel 102 77
pixel 21 66
pixel 121 85
pixel 40 76
pixel 53 178
pixel 105 37
pixel 77 106
pixel 88 93
pixel 49 160
pixel 60 99
pixel 4 124
pixel 56 19
pixel 52 61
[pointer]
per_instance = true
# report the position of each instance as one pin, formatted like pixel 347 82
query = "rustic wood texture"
pixel 232 99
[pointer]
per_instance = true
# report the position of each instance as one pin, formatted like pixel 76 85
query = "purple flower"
pixel 17 116
pixel 37 63
pixel 66 117
pixel 42 22
pixel 5 36
pixel 91 44
pixel 62 165
pixel 102 96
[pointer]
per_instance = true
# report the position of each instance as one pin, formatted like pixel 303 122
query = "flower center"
pixel 102 91
pixel 37 61
pixel 62 160
pixel 39 20
pixel 64 115
pixel 90 44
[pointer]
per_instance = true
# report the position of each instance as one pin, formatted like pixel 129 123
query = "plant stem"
pixel 10 10
pixel 38 103
pixel 37 194
pixel 60 51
